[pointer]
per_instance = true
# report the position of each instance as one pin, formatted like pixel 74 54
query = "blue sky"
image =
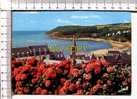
pixel 42 21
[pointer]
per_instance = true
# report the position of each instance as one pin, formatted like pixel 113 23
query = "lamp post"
pixel 74 50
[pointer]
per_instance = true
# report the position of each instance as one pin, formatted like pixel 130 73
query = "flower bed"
pixel 97 77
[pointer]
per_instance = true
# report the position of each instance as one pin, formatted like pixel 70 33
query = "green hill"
pixel 101 31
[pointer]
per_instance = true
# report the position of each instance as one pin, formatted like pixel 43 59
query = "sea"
pixel 27 38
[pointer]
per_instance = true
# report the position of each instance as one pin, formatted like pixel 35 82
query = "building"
pixel 30 51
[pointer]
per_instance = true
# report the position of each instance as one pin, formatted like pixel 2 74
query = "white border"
pixel 134 75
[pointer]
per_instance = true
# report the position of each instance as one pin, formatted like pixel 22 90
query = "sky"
pixel 46 20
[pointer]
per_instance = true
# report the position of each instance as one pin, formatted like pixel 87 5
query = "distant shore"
pixel 116 45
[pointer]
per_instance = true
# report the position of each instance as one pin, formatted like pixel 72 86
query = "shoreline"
pixel 116 45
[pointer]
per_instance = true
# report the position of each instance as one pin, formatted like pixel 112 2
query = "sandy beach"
pixel 116 45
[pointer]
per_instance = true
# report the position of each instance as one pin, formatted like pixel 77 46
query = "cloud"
pixel 63 21
pixel 126 21
pixel 85 17
pixel 32 12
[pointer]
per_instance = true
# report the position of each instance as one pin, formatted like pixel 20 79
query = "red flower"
pixel 59 71
pixel 66 64
pixel 105 75
pixel 16 71
pixel 20 77
pixel 18 84
pixel 62 80
pixel 59 65
pixel 41 66
pixel 74 72
pixel 26 90
pixel 25 68
pixel 16 63
pixel 109 82
pixel 99 82
pixel 97 70
pixel 19 90
pixel 38 90
pixel 44 92
pixel 97 63
pixel 34 80
pixel 85 84
pixel 50 73
pixel 72 87
pixel 79 92
pixel 23 76
pixel 47 83
pixel 17 78
pixel 31 61
pixel 89 67
pixel 78 85
pixel 94 89
pixel 13 62
pixel 63 90
pixel 88 76
pixel 110 69
pixel 67 83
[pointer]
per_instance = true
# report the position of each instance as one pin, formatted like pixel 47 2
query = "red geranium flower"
pixel 47 83
pixel 63 90
pixel 16 71
pixel 44 92
pixel 23 76
pixel 97 63
pixel 25 68
pixel 38 90
pixel 50 73
pixel 109 82
pixel 34 80
pixel 89 67
pixel 26 90
pixel 79 92
pixel 78 85
pixel 67 83
pixel 74 72
pixel 110 69
pixel 59 70
pixel 105 75
pixel 31 61
pixel 20 77
pixel 94 89
pixel 42 66
pixel 97 70
pixel 18 84
pixel 62 80
pixel 72 87
pixel 88 76
pixel 19 90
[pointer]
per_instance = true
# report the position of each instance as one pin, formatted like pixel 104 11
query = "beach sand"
pixel 116 45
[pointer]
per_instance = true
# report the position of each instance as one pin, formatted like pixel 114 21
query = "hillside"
pixel 119 31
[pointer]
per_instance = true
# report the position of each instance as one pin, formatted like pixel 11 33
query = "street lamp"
pixel 73 50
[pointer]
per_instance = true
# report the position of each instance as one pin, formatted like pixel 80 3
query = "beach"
pixel 116 45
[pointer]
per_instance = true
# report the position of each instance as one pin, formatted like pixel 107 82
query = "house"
pixel 30 51
pixel 118 33
pixel 95 35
